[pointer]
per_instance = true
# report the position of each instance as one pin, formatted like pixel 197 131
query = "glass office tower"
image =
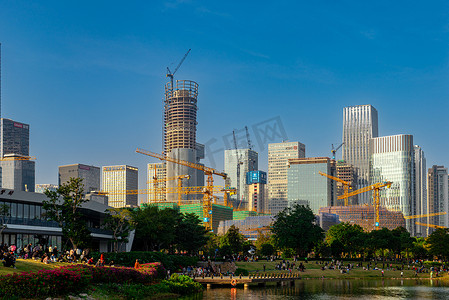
pixel 307 187
pixel 359 126
pixel 393 160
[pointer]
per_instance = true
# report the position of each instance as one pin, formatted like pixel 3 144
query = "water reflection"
pixel 336 289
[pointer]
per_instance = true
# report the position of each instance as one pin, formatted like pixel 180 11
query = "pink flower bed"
pixel 74 278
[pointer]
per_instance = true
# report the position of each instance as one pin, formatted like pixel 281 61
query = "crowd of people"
pixel 46 254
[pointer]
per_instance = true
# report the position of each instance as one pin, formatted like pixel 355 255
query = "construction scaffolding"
pixel 346 173
pixel 249 227
pixel 180 115
pixel 365 216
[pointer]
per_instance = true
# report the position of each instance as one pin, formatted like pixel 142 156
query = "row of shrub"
pixel 177 284
pixel 72 279
pixel 128 259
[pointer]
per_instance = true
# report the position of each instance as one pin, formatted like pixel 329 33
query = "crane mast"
pixel 334 151
pixel 207 191
pixel 171 74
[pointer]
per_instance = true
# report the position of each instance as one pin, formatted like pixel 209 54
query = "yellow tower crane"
pixel 429 225
pixel 208 193
pixel 178 178
pixel 376 198
pixel 425 215
pixel 346 186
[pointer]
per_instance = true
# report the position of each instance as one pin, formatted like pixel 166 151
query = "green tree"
pixel 267 249
pixel 346 234
pixel 234 239
pixel 212 244
pixel 322 249
pixel 401 241
pixel 263 238
pixel 190 234
pixel 295 228
pixel 118 220
pixel 4 216
pixel 63 206
pixel 336 248
pixel 418 249
pixel 155 228
pixel 438 243
pixel 380 240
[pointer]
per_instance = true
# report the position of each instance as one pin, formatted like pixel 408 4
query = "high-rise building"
pixel 180 133
pixel 437 196
pixel 392 160
pixel 278 156
pixel 117 179
pixel 248 162
pixel 420 205
pixel 15 143
pixel 256 182
pixel 307 187
pixel 158 172
pixel 347 173
pixel 18 174
pixel 89 174
pixel 359 126
pixel 41 188
pixel 15 138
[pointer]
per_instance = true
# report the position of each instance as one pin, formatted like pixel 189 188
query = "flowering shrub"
pixel 44 282
pixel 111 274
pixel 74 278
pixel 155 270
pixel 170 262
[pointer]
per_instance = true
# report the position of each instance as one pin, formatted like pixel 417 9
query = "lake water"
pixel 318 289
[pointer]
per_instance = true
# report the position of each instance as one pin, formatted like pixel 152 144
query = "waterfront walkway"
pixel 259 279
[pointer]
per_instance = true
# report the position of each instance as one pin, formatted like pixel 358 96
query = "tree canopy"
pixel 118 220
pixel 63 206
pixel 167 229
pixel 295 228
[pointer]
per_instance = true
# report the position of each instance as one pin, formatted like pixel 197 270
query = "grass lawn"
pixel 29 265
pixel 313 270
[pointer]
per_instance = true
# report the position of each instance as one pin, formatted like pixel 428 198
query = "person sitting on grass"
pixel 90 261
pixel 100 262
pixel 9 260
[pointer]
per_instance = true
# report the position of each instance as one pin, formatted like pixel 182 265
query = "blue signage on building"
pixel 256 177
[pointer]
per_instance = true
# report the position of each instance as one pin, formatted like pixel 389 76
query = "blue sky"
pixel 88 76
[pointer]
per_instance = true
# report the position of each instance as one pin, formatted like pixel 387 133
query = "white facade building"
pixel 359 126
pixel 278 156
pixel 249 162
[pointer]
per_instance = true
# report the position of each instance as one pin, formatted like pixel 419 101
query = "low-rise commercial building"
pixel 27 223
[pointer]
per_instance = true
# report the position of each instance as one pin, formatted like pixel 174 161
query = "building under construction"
pixel 347 173
pixel 365 216
pixel 179 134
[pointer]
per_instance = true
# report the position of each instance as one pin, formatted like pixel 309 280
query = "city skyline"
pixel 86 82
